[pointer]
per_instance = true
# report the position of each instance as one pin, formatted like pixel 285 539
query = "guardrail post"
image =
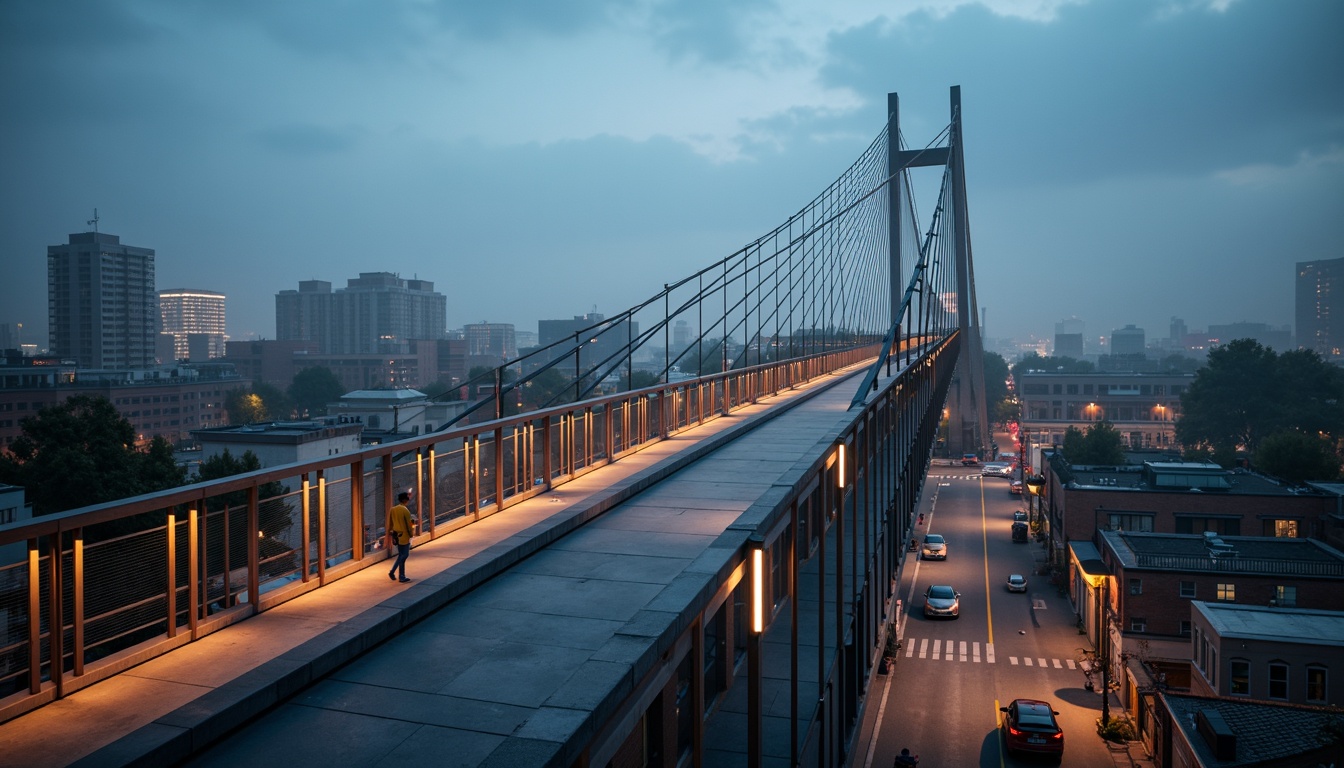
pixel 55 613
pixel 34 617
pixel 305 538
pixel 172 572
pixel 321 527
pixel 359 529
pixel 77 558
pixel 194 577
pixel 432 501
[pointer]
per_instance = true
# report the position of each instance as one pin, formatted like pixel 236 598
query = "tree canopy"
pixel 1100 444
pixel 84 452
pixel 1246 392
pixel 1297 457
pixel 1035 362
pixel 996 387
pixel 313 388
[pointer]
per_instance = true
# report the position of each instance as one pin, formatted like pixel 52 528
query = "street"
pixel 942 697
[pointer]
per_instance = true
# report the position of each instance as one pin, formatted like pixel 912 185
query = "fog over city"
pixel 1127 161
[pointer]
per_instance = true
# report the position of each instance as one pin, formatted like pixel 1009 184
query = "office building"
pixel 492 340
pixel 376 313
pixel 1128 341
pixel 1319 327
pixel 602 343
pixel 102 308
pixel 194 319
pixel 1069 338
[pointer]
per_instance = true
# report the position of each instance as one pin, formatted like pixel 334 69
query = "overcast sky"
pixel 1127 160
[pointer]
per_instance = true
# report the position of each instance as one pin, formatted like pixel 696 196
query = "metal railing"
pixel 88 593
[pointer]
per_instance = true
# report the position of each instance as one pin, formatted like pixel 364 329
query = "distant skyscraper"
pixel 101 306
pixel 491 340
pixel 1069 338
pixel 1320 327
pixel 194 318
pixel 603 342
pixel 1277 339
pixel 377 312
pixel 1178 331
pixel 1129 340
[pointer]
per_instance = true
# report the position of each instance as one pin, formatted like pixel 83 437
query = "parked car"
pixel 969 459
pixel 1030 726
pixel 1019 532
pixel 942 600
pixel 1015 488
pixel 1017 583
pixel 935 547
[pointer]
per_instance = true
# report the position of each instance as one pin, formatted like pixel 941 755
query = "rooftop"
pixel 1268 555
pixel 1283 625
pixel 1174 477
pixel 1264 732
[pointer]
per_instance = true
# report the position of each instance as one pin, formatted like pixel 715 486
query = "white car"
pixel 935 547
pixel 998 469
pixel 1017 583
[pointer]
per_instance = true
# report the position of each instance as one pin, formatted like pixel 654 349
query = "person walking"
pixel 399 530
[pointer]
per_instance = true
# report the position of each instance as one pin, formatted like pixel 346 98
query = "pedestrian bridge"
pixel 698 568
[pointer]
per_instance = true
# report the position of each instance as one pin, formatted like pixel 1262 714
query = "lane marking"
pixel 989 653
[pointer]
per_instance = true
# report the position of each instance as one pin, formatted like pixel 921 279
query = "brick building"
pixel 1263 652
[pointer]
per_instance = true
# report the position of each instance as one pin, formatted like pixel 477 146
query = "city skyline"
pixel 1120 189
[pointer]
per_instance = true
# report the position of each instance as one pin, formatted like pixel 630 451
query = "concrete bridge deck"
pixel 514 632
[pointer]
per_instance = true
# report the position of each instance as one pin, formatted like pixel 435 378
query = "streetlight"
pixel 1034 485
pixel 1098 576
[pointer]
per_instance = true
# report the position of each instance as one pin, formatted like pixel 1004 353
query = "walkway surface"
pixel 515 630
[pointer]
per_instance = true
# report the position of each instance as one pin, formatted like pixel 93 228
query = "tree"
pixel 996 381
pixel 1035 362
pixel 1297 457
pixel 1099 445
pixel 313 388
pixel 244 407
pixel 1246 392
pixel 639 380
pixel 274 512
pixel 83 452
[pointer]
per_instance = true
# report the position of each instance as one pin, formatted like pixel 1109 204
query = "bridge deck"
pixel 515 630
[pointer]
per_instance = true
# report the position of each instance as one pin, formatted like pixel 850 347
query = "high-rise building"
pixel 1319 327
pixel 602 342
pixel 377 312
pixel 495 340
pixel 1069 338
pixel 1129 340
pixel 101 306
pixel 195 320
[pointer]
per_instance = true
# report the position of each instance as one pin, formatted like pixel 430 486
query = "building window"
pixel 1316 684
pixel 1284 529
pixel 1138 625
pixel 1226 592
pixel 1285 597
pixel 1239 678
pixel 1185 629
pixel 1187 589
pixel 1136 586
pixel 1278 681
pixel 1128 522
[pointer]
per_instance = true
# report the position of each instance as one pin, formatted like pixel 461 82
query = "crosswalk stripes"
pixel 974 653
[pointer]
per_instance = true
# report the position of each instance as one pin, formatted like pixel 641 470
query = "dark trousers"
pixel 403 551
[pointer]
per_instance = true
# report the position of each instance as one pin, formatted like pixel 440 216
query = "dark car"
pixel 1019 532
pixel 1030 726
pixel 1019 516
pixel 969 459
pixel 1015 488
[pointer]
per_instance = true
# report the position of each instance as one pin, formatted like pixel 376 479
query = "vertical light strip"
pixel 758 590
pixel 841 474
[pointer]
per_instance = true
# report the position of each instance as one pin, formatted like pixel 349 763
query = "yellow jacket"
pixel 399 524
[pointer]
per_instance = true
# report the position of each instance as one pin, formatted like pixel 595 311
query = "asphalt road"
pixel 942 698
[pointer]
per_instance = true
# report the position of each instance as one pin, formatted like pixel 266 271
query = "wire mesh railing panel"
pixel 375 516
pixel 14 623
pixel 280 538
pixel 125 591
pixel 340 521
pixel 450 487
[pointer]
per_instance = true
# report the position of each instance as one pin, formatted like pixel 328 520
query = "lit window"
pixel 1227 592
pixel 1316 677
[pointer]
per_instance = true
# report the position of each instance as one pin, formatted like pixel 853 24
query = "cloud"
pixel 1307 164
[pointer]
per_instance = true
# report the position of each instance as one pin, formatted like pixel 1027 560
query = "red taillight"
pixel 1059 735
pixel 1013 731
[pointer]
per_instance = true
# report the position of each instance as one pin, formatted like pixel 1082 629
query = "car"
pixel 942 600
pixel 935 547
pixel 1017 583
pixel 1020 533
pixel 1015 488
pixel 1019 516
pixel 997 469
pixel 969 459
pixel 1029 725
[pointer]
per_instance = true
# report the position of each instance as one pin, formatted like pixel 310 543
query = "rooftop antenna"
pixel 94 221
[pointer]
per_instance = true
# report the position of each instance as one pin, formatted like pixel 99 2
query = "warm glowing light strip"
pixel 841 473
pixel 757 591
